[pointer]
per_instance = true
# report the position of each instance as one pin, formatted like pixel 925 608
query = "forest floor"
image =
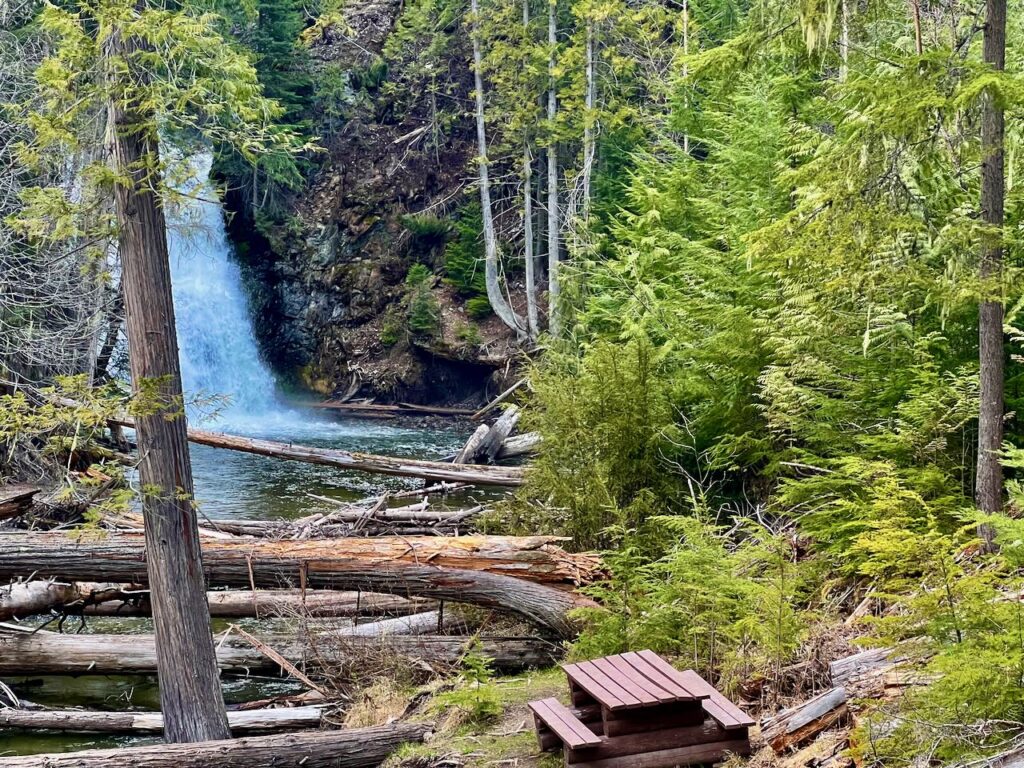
pixel 504 740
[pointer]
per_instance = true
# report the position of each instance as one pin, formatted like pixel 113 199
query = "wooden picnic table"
pixel 635 708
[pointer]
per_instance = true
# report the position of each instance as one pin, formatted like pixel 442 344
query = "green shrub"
pixel 469 334
pixel 733 608
pixel 479 700
pixel 464 255
pixel 423 314
pixel 479 307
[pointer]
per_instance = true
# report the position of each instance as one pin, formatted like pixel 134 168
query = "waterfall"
pixel 216 343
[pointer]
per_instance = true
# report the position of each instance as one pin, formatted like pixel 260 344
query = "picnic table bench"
pixel 636 709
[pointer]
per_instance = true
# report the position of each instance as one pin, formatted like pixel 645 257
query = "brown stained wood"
pixel 669 682
pixel 636 689
pixel 656 740
pixel 563 724
pixel 667 758
pixel 364 462
pixel 86 721
pixel 607 698
pixel 678 714
pixel 27 653
pixel 793 726
pixel 356 748
pixel 715 704
pixel 16 500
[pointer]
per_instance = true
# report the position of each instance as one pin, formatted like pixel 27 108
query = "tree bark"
pixel 554 227
pixel 491 444
pixel 495 296
pixel 50 653
pixel 263 603
pixel 526 576
pixel 590 102
pixel 989 484
pixel 86 721
pixel 190 693
pixel 15 500
pixel 803 722
pixel 528 260
pixel 354 748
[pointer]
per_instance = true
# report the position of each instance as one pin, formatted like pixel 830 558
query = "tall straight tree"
pixel 492 280
pixel 989 487
pixel 141 65
pixel 554 228
pixel 190 693
pixel 528 257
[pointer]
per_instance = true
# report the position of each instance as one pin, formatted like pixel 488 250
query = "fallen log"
pixel 519 445
pixel 428 622
pixel 409 409
pixel 236 604
pixel 528 576
pixel 21 599
pixel 791 727
pixel 469 452
pixel 88 721
pixel 497 434
pixel 16 499
pixel 50 653
pixel 356 748
pixel 365 462
pixel 499 399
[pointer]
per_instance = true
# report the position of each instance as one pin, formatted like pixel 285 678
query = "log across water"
pixel 366 462
pixel 527 576
pixel 356 748
pixel 50 653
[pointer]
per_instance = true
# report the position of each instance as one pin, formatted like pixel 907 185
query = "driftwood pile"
pixel 355 581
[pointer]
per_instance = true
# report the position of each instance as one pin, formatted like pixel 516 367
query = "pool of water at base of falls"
pixel 237 485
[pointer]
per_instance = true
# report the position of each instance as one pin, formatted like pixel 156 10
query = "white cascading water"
pixel 217 347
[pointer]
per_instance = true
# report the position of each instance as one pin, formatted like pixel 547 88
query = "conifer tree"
pixel 151 73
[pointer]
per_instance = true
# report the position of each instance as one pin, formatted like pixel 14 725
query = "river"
pixel 221 362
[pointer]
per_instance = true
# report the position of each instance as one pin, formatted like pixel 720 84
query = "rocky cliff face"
pixel 332 292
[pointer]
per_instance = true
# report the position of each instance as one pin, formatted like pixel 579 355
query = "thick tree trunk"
pixel 492 279
pixel 190 694
pixel 50 653
pixel 86 721
pixel 989 490
pixel 386 465
pixel 471 569
pixel 314 749
pixel 554 227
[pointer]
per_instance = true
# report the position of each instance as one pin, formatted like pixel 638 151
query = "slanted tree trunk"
pixel 499 304
pixel 554 288
pixel 190 694
pixel 989 489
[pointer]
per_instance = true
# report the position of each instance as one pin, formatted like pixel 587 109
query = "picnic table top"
pixel 643 679
pixel 632 680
